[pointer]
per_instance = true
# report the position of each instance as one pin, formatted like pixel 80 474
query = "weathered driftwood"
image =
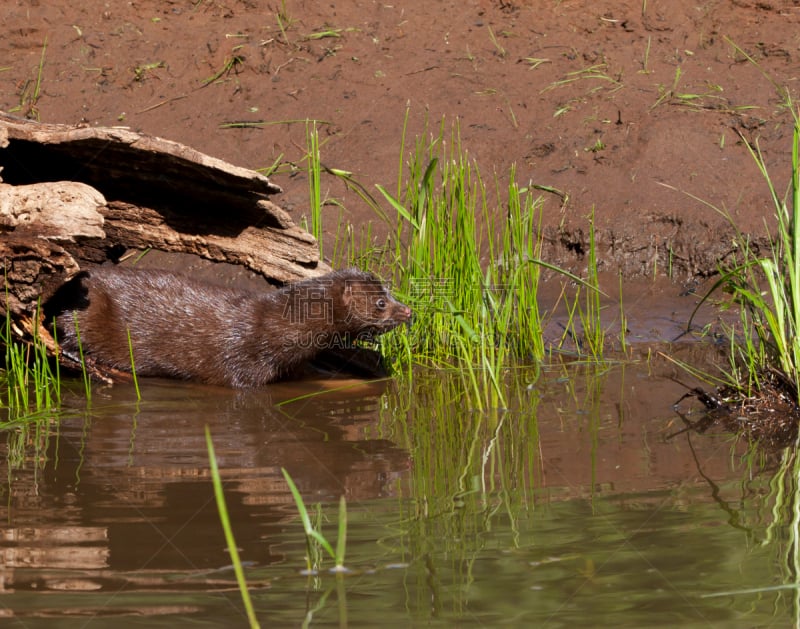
pixel 62 210
pixel 34 268
pixel 77 195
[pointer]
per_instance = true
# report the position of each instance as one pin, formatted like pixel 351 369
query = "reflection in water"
pixel 569 503
pixel 125 496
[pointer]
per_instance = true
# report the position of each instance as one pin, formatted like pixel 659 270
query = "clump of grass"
pixel 467 260
pixel 30 398
pixel 469 264
pixel 29 383
pixel 767 287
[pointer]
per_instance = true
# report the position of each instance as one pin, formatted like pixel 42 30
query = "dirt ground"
pixel 605 101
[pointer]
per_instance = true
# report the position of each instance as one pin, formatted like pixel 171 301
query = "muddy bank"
pixel 603 101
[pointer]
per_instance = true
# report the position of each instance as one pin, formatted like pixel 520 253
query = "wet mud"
pixel 618 105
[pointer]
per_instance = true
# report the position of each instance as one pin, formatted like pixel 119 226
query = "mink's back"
pixel 183 328
pixel 179 327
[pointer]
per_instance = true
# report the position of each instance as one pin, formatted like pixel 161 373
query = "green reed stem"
pixel 87 383
pixel 222 509
pixel 315 536
pixel 133 366
pixel 314 185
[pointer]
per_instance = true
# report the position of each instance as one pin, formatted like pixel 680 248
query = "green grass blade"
pixel 309 529
pixel 404 214
pixel 222 509
pixel 341 540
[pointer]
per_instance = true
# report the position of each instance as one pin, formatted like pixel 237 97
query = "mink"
pixel 184 328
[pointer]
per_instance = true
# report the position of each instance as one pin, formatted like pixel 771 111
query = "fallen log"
pixel 72 196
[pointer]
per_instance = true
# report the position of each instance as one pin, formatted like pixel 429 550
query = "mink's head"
pixel 367 306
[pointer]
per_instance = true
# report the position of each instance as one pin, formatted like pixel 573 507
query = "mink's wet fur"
pixel 184 328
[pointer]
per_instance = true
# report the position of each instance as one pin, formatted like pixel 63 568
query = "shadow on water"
pixel 578 501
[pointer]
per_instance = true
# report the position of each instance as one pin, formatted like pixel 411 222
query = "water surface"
pixel 581 500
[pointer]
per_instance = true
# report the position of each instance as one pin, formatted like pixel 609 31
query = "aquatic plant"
pixel 469 263
pixel 314 537
pixel 29 384
pixel 767 287
pixel 222 509
pixel 30 398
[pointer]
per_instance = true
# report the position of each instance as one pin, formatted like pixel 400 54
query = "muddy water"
pixel 581 501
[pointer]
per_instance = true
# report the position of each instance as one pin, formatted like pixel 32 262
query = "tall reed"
pixel 768 289
pixel 469 261
pixel 222 510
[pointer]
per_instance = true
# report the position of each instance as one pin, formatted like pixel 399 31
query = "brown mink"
pixel 184 328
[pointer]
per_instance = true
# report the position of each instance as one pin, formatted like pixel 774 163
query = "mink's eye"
pixel 381 303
